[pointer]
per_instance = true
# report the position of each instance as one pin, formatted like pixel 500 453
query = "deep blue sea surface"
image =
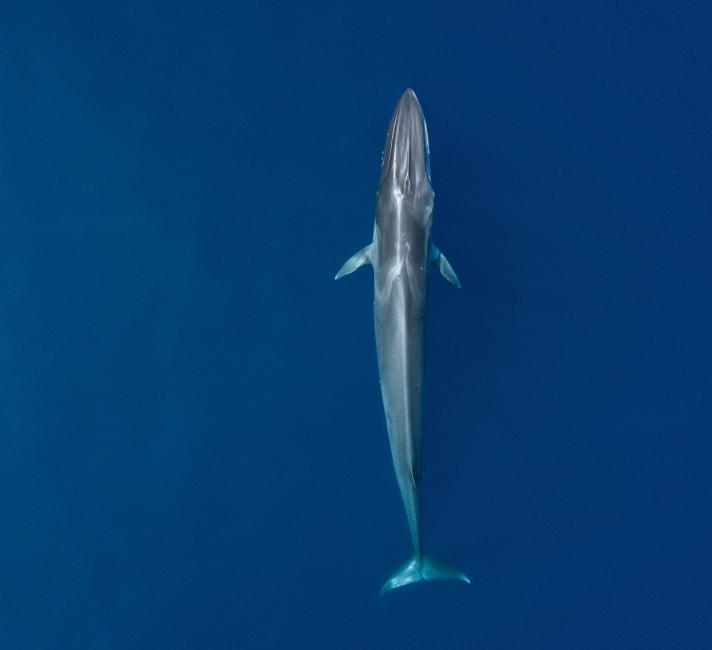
pixel 193 452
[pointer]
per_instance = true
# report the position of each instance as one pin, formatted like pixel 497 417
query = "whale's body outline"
pixel 401 253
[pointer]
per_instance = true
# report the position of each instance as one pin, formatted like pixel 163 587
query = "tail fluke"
pixel 425 568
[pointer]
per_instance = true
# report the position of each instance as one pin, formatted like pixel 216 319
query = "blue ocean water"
pixel 192 446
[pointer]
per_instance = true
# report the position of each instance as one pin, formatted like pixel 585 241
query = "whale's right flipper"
pixel 446 270
pixel 355 261
pixel 425 568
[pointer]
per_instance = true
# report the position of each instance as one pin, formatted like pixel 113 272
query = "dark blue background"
pixel 192 446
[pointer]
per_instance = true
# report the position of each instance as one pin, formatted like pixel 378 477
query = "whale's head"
pixel 406 154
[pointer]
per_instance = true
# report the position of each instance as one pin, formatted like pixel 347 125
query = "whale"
pixel 401 253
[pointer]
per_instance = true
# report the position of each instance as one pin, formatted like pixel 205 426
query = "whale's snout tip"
pixel 408 98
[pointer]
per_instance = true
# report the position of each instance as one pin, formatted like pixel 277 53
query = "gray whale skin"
pixel 401 254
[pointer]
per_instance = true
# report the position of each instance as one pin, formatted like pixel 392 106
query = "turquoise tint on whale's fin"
pixel 427 568
pixel 446 270
pixel 355 261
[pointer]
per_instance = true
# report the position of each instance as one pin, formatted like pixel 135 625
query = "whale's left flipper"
pixel 425 568
pixel 355 261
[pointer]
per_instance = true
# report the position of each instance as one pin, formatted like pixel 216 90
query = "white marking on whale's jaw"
pixel 406 154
